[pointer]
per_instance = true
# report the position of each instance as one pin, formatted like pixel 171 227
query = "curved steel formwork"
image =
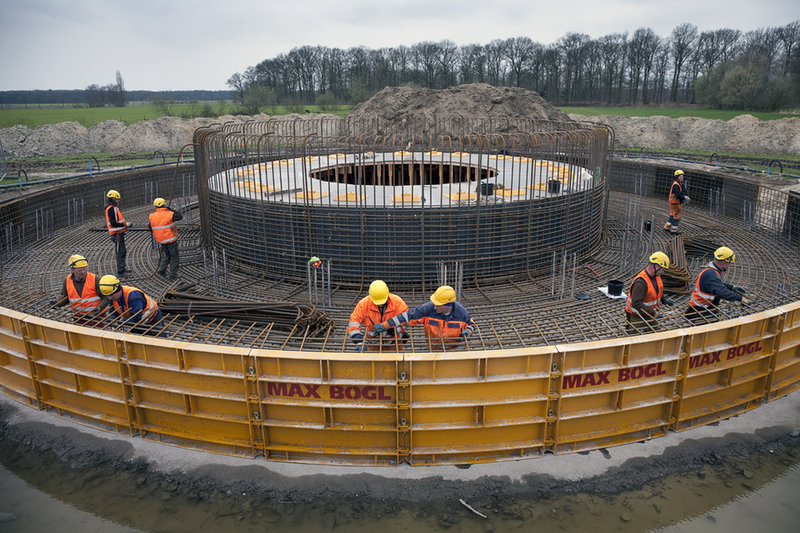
pixel 546 372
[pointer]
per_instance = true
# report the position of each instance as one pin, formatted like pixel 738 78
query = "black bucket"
pixel 648 226
pixel 615 287
pixel 553 186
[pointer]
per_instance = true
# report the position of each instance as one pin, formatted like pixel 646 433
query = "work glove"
pixel 467 333
pixel 361 347
pixel 380 328
pixel 745 300
pixel 686 200
pixel 740 290
pixel 668 301
pixel 130 224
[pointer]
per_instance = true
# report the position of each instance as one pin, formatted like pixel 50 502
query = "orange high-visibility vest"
pixel 163 226
pixel 88 300
pixel 111 229
pixel 700 298
pixel 367 313
pixel 150 307
pixel 673 199
pixel 652 300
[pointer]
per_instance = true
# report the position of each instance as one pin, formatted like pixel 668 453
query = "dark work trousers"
pixel 121 251
pixel 169 256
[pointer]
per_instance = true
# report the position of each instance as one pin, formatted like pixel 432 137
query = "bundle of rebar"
pixel 289 316
pixel 677 279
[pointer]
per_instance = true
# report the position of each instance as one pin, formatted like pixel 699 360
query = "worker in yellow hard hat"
pixel 646 294
pixel 117 226
pixel 81 289
pixel 165 232
pixel 447 323
pixel 677 197
pixel 710 288
pixel 378 306
pixel 132 305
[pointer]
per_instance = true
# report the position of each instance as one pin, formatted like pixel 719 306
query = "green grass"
pixel 673 112
pixel 89 116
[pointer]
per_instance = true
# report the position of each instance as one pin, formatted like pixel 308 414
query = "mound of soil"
pixel 396 104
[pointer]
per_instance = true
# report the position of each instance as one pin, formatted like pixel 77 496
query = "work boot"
pixel 675 231
pixel 667 226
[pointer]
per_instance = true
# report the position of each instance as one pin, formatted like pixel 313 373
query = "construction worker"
pixel 710 288
pixel 677 197
pixel 162 224
pixel 446 321
pixel 132 305
pixel 81 290
pixel 117 226
pixel 378 306
pixel 646 294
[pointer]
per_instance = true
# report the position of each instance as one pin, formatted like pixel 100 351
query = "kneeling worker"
pixel 81 290
pixel 646 294
pixel 162 224
pixel 710 288
pixel 380 305
pixel 132 305
pixel 447 323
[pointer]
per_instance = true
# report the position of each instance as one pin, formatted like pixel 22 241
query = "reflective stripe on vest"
pixel 672 198
pixel 150 308
pixel 88 300
pixel 163 226
pixel 111 229
pixel 700 298
pixel 652 299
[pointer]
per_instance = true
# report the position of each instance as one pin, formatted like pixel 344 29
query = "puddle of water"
pixel 758 491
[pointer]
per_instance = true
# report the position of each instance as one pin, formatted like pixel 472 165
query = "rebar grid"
pixel 397 206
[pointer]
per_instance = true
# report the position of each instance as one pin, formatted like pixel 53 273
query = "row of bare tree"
pixel 759 69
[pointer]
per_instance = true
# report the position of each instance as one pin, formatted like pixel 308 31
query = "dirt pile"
pixel 397 104
pixel 744 133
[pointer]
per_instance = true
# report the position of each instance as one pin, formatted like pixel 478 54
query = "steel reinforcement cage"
pixel 274 194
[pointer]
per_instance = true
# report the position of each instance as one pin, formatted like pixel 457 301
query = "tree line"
pixel 724 68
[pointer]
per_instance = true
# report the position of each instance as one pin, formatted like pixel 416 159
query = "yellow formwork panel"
pixel 514 412
pixel 309 366
pixel 84 382
pixel 331 440
pixel 485 392
pixel 190 382
pixel 77 361
pixel 194 429
pixel 479 365
pixel 17 385
pixel 106 409
pixel 502 440
pixel 614 426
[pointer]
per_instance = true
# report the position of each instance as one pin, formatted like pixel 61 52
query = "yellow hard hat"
pixel 723 253
pixel 159 202
pixel 444 295
pixel 378 292
pixel 77 261
pixel 678 172
pixel 660 259
pixel 113 194
pixel 109 284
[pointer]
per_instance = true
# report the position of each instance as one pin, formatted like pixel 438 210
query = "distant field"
pixel 89 116
pixel 33 117
pixel 673 112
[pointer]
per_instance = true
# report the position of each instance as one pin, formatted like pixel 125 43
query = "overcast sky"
pixel 169 45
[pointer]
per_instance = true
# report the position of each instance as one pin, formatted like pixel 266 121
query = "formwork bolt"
pixel 402 376
pixel 554 367
pixel 251 370
pixel 130 397
pixel 549 412
pixel 256 415
pixel 403 421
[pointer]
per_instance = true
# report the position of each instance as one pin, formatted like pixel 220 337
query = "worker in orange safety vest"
pixel 117 226
pixel 81 290
pixel 378 306
pixel 710 288
pixel 677 197
pixel 162 224
pixel 448 325
pixel 132 305
pixel 646 294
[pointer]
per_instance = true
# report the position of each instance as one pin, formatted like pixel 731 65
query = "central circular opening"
pixel 398 173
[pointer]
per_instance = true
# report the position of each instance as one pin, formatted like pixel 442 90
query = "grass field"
pixel 34 117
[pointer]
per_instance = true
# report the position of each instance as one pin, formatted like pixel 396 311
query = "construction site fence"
pixel 391 409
